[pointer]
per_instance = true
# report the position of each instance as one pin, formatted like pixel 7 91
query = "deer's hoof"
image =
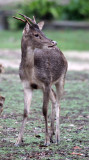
pixel 57 142
pixel 46 144
pixel 17 144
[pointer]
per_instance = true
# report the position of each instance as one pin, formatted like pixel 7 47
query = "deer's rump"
pixel 49 64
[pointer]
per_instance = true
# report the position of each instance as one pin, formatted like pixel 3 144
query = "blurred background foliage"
pixel 76 10
pixel 53 10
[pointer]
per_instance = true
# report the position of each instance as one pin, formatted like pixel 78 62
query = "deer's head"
pixel 33 33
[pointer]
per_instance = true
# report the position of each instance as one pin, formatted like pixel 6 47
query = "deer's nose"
pixel 54 42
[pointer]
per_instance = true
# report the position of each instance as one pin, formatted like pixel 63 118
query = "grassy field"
pixel 74 126
pixel 66 39
pixel 74 121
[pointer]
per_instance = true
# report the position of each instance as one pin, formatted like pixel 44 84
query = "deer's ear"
pixel 26 28
pixel 40 25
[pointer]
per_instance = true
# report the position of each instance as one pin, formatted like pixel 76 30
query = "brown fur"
pixel 42 65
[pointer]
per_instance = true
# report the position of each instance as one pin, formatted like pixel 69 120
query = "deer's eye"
pixel 36 35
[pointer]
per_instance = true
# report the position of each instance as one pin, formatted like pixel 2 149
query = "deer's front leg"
pixel 45 113
pixel 27 103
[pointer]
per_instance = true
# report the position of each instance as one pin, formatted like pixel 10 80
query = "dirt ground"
pixel 77 60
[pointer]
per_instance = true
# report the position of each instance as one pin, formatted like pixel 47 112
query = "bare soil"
pixel 77 60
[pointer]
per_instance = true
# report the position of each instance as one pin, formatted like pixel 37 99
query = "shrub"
pixel 76 10
pixel 42 9
pixel 50 10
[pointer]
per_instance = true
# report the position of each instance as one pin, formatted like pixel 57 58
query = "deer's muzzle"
pixel 54 43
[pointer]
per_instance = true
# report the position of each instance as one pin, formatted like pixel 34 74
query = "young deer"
pixel 42 65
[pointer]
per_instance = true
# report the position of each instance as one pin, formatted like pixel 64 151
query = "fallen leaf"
pixel 71 125
pixel 74 153
pixel 80 127
pixel 77 147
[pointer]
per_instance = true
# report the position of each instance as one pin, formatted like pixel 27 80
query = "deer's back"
pixel 49 64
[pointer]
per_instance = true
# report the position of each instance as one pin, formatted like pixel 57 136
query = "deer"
pixel 2 99
pixel 42 66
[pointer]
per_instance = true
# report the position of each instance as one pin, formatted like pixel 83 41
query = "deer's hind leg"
pixel 53 100
pixel 59 92
pixel 27 103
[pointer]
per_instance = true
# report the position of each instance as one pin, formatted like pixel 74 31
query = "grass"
pixel 74 121
pixel 74 108
pixel 66 39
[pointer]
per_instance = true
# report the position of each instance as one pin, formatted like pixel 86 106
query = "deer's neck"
pixel 30 56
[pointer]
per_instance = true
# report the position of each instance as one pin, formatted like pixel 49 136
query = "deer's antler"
pixel 27 18
pixel 19 19
pixel 34 19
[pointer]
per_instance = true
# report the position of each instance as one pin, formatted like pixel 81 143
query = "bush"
pixel 42 9
pixel 76 10
pixel 50 10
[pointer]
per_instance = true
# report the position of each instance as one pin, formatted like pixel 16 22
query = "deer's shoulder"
pixel 51 54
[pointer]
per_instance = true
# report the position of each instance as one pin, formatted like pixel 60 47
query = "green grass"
pixel 66 39
pixel 10 39
pixel 74 121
